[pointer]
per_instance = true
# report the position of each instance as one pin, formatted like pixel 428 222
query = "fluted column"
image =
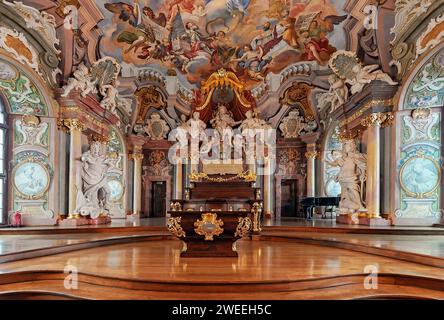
pixel 311 155
pixel 74 127
pixel 373 122
pixel 137 156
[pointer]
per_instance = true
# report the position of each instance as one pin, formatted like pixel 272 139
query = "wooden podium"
pixel 219 211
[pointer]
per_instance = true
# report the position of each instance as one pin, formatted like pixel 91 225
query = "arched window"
pixel 3 163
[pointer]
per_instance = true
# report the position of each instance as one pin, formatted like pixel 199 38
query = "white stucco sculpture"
pixel 351 177
pixel 110 95
pixel 81 81
pixel 366 74
pixel 338 91
pixel 252 121
pixel 93 192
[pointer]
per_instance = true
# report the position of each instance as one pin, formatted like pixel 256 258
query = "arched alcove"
pixel 418 131
pixel 31 143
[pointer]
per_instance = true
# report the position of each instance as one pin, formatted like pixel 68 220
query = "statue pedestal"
pixel 348 218
pixel 374 222
pixel 356 219
pixel 84 221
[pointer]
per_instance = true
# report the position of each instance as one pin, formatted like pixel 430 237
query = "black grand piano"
pixel 310 203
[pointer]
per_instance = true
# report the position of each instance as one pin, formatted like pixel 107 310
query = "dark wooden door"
pixel 158 199
pixel 289 199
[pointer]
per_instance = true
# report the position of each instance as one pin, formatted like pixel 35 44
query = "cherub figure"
pixel 365 74
pixel 81 81
pixel 338 91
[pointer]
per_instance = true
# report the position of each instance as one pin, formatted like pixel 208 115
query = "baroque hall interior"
pixel 221 149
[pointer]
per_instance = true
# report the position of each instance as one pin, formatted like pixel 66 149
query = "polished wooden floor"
pixel 268 267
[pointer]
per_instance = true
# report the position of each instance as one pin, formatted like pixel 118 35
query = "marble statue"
pixel 338 91
pixel 252 121
pixel 365 74
pixel 110 97
pixel 81 81
pixel 195 126
pixel 351 177
pixel 93 192
pixel 223 120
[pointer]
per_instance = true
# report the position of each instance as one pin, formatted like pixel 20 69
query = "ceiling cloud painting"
pixel 197 37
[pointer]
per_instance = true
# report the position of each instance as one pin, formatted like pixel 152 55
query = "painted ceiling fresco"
pixel 198 37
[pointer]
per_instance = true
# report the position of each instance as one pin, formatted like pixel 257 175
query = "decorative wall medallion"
pixel 209 226
pixel 16 43
pixel 342 63
pixel 116 189
pixel 31 180
pixel 156 127
pixel 420 176
pixel 294 125
pixel 244 227
pixel 175 228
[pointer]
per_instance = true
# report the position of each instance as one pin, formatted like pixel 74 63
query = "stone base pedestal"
pixel 29 220
pixel 415 222
pixel 347 218
pixel 374 222
pixel 84 221
pixel 359 219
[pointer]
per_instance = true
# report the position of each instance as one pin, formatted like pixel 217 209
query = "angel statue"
pixel 365 74
pixel 93 192
pixel 338 91
pixel 252 121
pixel 81 81
pixel 351 177
pixel 110 97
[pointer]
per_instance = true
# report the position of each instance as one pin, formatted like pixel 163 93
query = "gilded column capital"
pixel 381 119
pixel 69 125
pixel 312 154
pixel 136 156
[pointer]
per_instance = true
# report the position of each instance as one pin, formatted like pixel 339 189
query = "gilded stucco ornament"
pixel 209 226
pixel 174 226
pixel 244 227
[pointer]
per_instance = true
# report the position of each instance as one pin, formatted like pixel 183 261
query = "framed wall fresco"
pixel 22 94
pixel 116 187
pixel 31 179
pixel 420 176
pixel 427 88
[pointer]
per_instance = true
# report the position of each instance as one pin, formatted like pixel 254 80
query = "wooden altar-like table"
pixel 214 216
